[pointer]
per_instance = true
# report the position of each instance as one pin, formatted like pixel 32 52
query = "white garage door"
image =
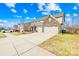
pixel 48 29
pixel 39 29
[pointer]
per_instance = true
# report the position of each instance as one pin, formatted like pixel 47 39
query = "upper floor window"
pixel 50 19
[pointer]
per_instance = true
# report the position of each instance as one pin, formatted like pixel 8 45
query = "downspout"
pixel 61 26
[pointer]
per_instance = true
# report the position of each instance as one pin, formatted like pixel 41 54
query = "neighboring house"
pixel 16 28
pixel 27 26
pixel 47 23
pixel 6 30
pixel 44 24
pixel 22 27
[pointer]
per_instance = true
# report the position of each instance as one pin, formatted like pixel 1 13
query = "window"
pixel 50 19
pixel 60 19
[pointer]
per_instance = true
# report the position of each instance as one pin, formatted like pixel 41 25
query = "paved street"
pixel 25 45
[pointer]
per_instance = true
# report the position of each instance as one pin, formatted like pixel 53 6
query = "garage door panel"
pixel 48 29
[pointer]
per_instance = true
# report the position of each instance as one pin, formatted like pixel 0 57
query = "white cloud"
pixel 3 21
pixel 49 7
pixel 75 7
pixel 53 7
pixel 27 18
pixel 13 10
pixel 19 16
pixel 10 5
pixel 25 11
pixel 30 18
pixel 67 14
pixel 40 6
pixel 75 14
pixel 45 13
pixel 34 17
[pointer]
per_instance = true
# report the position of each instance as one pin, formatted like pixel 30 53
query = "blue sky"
pixel 13 13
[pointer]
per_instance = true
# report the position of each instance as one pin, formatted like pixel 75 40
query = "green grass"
pixel 63 45
pixel 19 33
pixel 2 35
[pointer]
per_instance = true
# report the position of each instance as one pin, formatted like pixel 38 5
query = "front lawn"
pixel 2 35
pixel 63 44
pixel 19 33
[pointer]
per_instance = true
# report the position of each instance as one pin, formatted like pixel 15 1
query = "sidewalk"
pixel 24 45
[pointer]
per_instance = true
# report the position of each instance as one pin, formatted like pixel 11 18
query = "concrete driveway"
pixel 25 45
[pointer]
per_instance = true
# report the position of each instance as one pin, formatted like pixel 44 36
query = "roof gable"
pixel 59 15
